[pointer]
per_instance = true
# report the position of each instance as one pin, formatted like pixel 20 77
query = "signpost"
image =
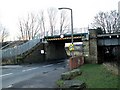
pixel 42 52
pixel 71 49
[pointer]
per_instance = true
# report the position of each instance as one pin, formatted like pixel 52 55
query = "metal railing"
pixel 19 50
pixel 68 31
pixel 11 42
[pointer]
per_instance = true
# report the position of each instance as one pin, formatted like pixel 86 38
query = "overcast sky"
pixel 83 10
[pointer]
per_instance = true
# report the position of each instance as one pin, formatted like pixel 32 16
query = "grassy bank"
pixel 96 76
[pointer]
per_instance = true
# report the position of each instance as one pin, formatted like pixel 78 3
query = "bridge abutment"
pixel 52 51
pixel 90 49
pixel 93 46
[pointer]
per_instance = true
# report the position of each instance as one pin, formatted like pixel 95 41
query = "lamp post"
pixel 71 24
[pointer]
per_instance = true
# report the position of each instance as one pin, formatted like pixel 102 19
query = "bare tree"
pixel 3 33
pixel 41 19
pixel 35 24
pixel 108 21
pixel 52 12
pixel 115 26
pixel 64 22
pixel 29 27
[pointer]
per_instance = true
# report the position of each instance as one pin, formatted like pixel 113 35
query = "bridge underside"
pixel 67 38
pixel 108 53
pixel 108 48
pixel 55 51
pixel 62 40
pixel 108 40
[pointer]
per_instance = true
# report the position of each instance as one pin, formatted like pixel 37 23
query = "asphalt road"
pixel 32 76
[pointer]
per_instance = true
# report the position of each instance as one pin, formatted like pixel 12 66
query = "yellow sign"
pixel 71 47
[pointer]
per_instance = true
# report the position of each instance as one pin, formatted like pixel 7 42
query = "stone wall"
pixel 112 67
pixel 35 56
pixel 93 45
pixel 90 47
pixel 86 50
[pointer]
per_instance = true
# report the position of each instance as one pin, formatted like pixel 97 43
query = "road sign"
pixel 71 47
pixel 42 51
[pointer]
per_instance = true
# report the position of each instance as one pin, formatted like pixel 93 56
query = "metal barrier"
pixel 68 31
pixel 19 50
pixel 7 45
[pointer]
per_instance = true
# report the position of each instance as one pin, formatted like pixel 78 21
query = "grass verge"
pixel 96 76
pixel 60 83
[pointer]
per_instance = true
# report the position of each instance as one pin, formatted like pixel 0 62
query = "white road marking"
pixel 9 86
pixel 29 69
pixel 48 65
pixel 59 63
pixel 6 74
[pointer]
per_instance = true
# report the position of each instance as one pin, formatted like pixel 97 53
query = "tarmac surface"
pixel 32 76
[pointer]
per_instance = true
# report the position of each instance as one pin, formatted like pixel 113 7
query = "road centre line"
pixel 59 63
pixel 5 74
pixel 48 65
pixel 29 69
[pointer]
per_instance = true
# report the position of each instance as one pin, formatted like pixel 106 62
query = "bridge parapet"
pixel 68 31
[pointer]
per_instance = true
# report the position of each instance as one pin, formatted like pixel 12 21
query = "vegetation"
pixel 96 76
pixel 70 74
pixel 40 24
pixel 3 33
pixel 60 83
pixel 107 21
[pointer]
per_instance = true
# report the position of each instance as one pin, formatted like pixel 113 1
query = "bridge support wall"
pixel 93 46
pixel 52 51
pixel 86 51
pixel 90 48
pixel 35 56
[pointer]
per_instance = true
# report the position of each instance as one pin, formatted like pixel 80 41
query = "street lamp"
pixel 61 35
pixel 71 24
